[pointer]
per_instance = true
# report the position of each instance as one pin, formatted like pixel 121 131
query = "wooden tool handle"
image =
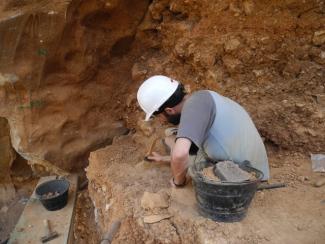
pixel 47 227
pixel 152 146
pixel 270 186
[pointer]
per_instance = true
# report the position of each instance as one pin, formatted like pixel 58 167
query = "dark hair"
pixel 174 99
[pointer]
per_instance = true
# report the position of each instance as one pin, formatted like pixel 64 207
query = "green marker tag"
pixel 42 52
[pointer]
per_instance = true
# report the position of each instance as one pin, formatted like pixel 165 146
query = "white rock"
pixel 155 218
pixel 319 37
pixel 4 209
pixel 107 207
pixel 8 78
pixel 232 45
pixel 248 7
pixel 322 55
pixel 258 73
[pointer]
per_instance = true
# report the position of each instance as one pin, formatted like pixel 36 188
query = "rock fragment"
pixel 232 45
pixel 320 98
pixel 155 218
pixel 232 64
pixel 151 200
pixel 258 72
pixel 4 209
pixel 138 72
pixel 319 38
pixel 319 182
pixel 248 6
pixel 229 171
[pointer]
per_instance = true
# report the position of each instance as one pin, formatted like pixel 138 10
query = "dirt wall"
pixel 70 69
pixel 267 55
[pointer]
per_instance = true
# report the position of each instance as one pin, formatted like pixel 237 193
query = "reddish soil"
pixel 85 229
pixel 267 55
pixel 269 65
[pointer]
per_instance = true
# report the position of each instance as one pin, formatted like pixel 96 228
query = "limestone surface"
pixel 58 107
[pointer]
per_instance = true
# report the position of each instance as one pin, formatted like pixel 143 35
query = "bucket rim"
pixel 198 178
pixel 40 197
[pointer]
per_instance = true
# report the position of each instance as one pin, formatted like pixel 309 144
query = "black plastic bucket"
pixel 224 201
pixel 59 200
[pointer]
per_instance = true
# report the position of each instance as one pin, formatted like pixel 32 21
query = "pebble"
pixel 4 209
pixel 245 89
pixel 232 44
pixel 319 37
pixel 248 7
pixel 104 188
pixel 303 178
pixel 258 73
pixel 322 55
pixel 319 182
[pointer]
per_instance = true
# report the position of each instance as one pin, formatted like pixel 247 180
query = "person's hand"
pixel 156 157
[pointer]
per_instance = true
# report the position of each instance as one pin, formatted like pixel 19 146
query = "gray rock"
pixel 229 171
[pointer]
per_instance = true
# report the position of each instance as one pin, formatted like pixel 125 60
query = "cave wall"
pixel 7 190
pixel 57 108
pixel 267 55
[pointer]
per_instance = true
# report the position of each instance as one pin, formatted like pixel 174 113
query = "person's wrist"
pixel 177 184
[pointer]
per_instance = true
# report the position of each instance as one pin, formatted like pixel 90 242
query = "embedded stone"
pixel 151 200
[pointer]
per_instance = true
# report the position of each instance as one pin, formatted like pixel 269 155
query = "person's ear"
pixel 170 111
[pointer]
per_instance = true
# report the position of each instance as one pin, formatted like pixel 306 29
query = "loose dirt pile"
pixel 208 173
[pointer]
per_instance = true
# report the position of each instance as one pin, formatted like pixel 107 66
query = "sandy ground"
pixel 119 178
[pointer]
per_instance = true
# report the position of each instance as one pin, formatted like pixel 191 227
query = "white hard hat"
pixel 154 92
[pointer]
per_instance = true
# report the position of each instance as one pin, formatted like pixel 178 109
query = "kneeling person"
pixel 217 125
